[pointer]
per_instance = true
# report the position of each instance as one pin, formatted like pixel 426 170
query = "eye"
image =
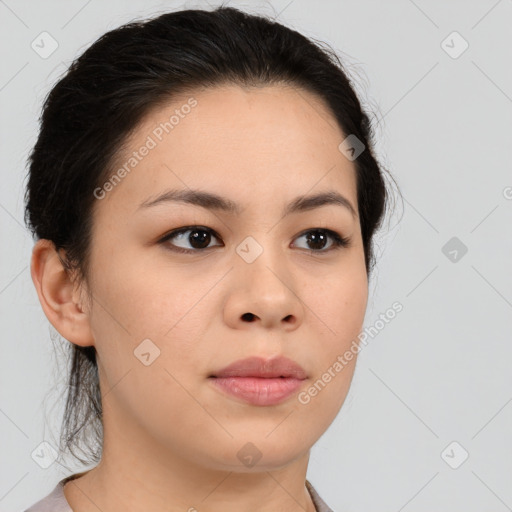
pixel 199 239
pixel 319 237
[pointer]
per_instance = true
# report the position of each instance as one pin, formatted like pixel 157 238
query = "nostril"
pixel 248 316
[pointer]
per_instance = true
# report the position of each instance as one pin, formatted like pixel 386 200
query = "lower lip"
pixel 258 391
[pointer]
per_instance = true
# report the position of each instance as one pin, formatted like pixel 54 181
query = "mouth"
pixel 263 368
pixel 259 381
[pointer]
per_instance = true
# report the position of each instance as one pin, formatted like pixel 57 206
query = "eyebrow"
pixel 213 201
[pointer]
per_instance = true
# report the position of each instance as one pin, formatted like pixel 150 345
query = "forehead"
pixel 257 144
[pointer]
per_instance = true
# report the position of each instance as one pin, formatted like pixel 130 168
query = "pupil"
pixel 315 237
pixel 199 241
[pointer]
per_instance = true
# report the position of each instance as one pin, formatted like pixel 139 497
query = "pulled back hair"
pixel 91 111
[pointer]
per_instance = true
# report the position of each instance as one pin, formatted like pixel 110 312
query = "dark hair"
pixel 92 110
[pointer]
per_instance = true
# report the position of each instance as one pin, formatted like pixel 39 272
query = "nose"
pixel 263 293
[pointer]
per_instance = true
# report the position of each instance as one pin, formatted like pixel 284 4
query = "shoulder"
pixel 54 502
pixel 319 503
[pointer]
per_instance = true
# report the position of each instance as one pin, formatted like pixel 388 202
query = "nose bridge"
pixel 260 265
pixel 261 290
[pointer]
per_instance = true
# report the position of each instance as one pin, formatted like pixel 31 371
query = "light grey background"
pixel 440 371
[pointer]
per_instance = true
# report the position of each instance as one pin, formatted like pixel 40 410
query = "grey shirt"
pixel 56 501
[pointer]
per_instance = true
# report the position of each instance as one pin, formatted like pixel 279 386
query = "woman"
pixel 204 195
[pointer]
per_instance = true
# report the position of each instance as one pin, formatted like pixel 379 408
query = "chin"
pixel 264 454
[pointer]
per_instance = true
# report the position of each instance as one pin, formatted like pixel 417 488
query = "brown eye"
pixel 191 238
pixel 197 239
pixel 317 239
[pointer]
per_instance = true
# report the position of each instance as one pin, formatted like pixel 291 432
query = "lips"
pixel 259 381
pixel 263 368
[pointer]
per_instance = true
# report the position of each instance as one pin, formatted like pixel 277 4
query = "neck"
pixel 142 476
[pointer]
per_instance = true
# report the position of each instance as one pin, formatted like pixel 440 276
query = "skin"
pixel 170 438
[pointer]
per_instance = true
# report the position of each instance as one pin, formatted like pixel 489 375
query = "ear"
pixel 58 296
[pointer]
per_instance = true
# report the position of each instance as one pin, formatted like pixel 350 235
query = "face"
pixel 263 279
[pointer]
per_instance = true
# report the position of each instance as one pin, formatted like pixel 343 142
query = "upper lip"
pixel 279 366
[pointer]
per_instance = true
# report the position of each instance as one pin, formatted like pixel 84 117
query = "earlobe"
pixel 57 295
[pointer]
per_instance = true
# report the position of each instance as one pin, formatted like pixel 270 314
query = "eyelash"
pixel 339 241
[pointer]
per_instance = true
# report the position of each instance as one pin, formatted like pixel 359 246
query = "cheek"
pixel 144 300
pixel 339 303
pixel 145 313
pixel 148 333
pixel 337 308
